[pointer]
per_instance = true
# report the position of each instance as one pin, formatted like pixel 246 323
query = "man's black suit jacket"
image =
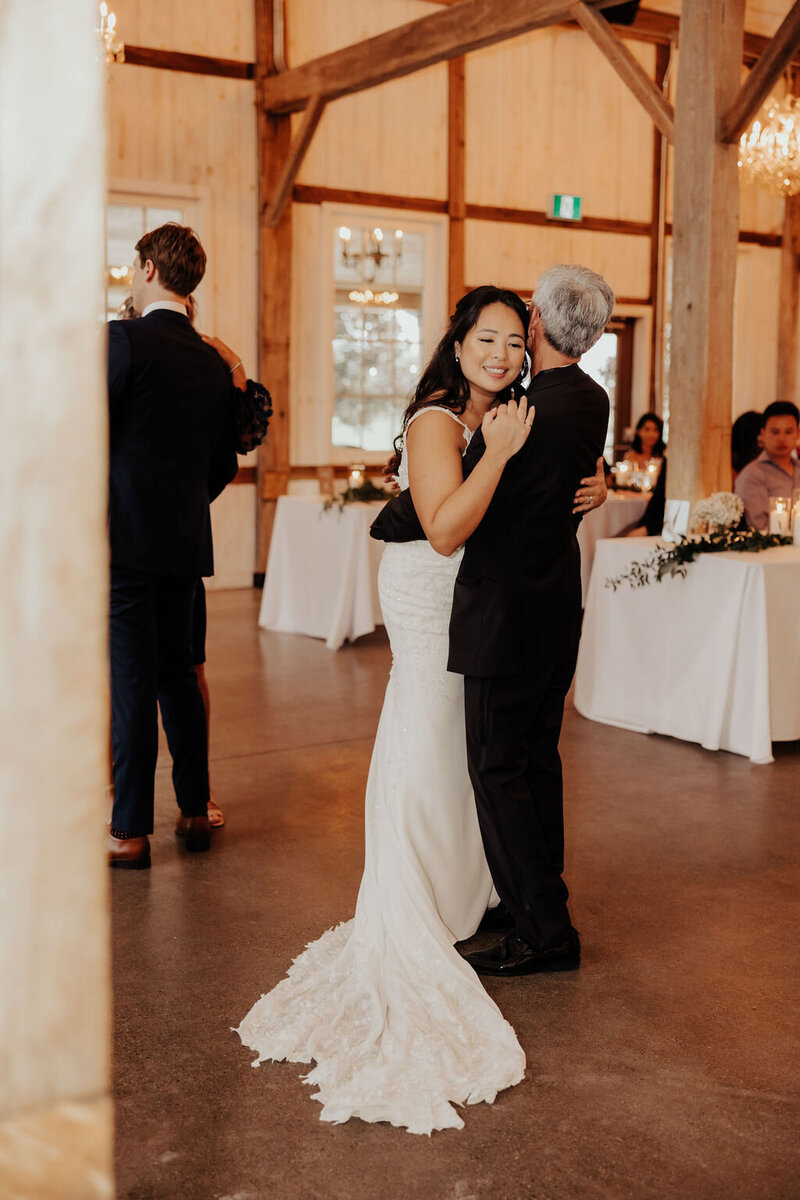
pixel 517 599
pixel 171 443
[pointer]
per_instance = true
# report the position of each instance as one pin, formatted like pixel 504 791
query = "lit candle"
pixel 356 477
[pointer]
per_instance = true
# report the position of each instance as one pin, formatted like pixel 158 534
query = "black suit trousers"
pixel 513 726
pixel 151 666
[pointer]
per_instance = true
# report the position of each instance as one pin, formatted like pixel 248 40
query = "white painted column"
pixel 55 1114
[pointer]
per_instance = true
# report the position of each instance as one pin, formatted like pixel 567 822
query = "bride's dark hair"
pixel 442 382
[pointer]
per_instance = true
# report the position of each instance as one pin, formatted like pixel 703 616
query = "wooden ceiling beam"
pixel 649 26
pixel 764 75
pixel 629 69
pixel 294 161
pixel 448 33
pixel 191 64
pixel 661 28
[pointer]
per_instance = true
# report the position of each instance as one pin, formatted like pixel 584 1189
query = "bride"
pixel 399 1026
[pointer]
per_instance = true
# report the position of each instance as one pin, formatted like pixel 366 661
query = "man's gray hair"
pixel 575 305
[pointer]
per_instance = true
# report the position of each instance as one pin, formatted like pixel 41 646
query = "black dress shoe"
pixel 496 920
pixel 514 956
pixel 195 830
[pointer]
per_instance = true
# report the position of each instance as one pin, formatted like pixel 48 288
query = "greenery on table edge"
pixel 368 491
pixel 674 561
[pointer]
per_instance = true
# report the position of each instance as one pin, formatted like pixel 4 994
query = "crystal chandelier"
pixel 769 152
pixel 368 261
pixel 112 50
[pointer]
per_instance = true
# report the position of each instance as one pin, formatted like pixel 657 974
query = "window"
pixel 387 313
pixel 125 224
pixel 609 362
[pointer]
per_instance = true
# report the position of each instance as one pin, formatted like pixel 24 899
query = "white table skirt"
pixel 713 658
pixel 322 571
pixel 619 510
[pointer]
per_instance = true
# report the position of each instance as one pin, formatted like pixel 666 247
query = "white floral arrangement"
pixel 719 511
pixel 713 529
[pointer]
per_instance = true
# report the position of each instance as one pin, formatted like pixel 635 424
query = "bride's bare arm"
pixel 449 507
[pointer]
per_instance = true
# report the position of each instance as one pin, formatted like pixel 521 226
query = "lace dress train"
pixel 399 1026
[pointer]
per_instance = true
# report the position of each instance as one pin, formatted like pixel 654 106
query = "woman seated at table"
pixel 653 520
pixel 746 441
pixel 648 441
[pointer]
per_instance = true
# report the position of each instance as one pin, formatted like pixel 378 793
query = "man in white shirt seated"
pixel 776 471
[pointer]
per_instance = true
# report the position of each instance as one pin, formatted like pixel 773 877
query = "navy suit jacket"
pixel 517 598
pixel 171 443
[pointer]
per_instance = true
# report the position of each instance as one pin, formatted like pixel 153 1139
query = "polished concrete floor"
pixel 667 1068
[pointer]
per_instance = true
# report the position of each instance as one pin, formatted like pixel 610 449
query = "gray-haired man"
pixel 515 626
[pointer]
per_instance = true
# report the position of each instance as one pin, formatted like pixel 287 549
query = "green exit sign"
pixel 565 208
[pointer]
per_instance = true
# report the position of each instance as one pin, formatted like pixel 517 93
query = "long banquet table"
pixel 712 658
pixel 619 510
pixel 322 571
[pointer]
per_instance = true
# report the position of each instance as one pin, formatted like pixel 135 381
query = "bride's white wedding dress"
pixel 399 1026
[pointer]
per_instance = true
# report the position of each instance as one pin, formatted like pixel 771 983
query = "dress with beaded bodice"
pixel 399 1026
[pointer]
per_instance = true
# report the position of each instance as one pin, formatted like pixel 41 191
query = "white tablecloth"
pixel 713 658
pixel 619 510
pixel 322 571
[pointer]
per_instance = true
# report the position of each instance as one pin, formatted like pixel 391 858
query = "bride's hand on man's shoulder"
pixel 506 427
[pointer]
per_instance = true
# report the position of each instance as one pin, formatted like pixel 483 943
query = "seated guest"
pixel 653 519
pixel 776 471
pixel 745 440
pixel 648 441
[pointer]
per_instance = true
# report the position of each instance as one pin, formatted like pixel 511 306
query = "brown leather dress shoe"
pixel 196 831
pixel 128 854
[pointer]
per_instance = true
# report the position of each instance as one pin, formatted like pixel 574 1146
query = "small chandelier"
pixel 769 152
pixel 368 260
pixel 112 50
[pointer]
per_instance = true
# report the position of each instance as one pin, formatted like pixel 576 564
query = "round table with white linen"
pixel 322 571
pixel 619 510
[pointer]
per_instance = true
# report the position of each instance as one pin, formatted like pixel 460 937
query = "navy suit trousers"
pixel 151 666
pixel 513 726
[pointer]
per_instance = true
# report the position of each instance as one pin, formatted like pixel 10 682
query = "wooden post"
pixel 788 306
pixel 292 164
pixel 275 283
pixel 705 243
pixel 656 289
pixel 456 199
pixel 789 296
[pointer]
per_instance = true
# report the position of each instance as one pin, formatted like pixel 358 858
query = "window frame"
pixel 434 303
pixel 193 201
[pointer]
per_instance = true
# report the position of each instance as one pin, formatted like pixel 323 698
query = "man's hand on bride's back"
pixel 506 428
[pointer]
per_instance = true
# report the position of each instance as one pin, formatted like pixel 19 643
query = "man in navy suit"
pixel 171 452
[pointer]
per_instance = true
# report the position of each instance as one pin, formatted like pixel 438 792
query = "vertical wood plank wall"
pixel 543 113
pixel 198 134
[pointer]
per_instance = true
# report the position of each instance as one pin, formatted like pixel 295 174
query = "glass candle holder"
pixel 779 515
pixel 355 478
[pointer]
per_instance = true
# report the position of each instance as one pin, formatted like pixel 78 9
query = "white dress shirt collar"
pixel 170 305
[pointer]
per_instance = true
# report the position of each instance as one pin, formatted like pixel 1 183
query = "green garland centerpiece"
pixel 366 491
pixel 713 529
